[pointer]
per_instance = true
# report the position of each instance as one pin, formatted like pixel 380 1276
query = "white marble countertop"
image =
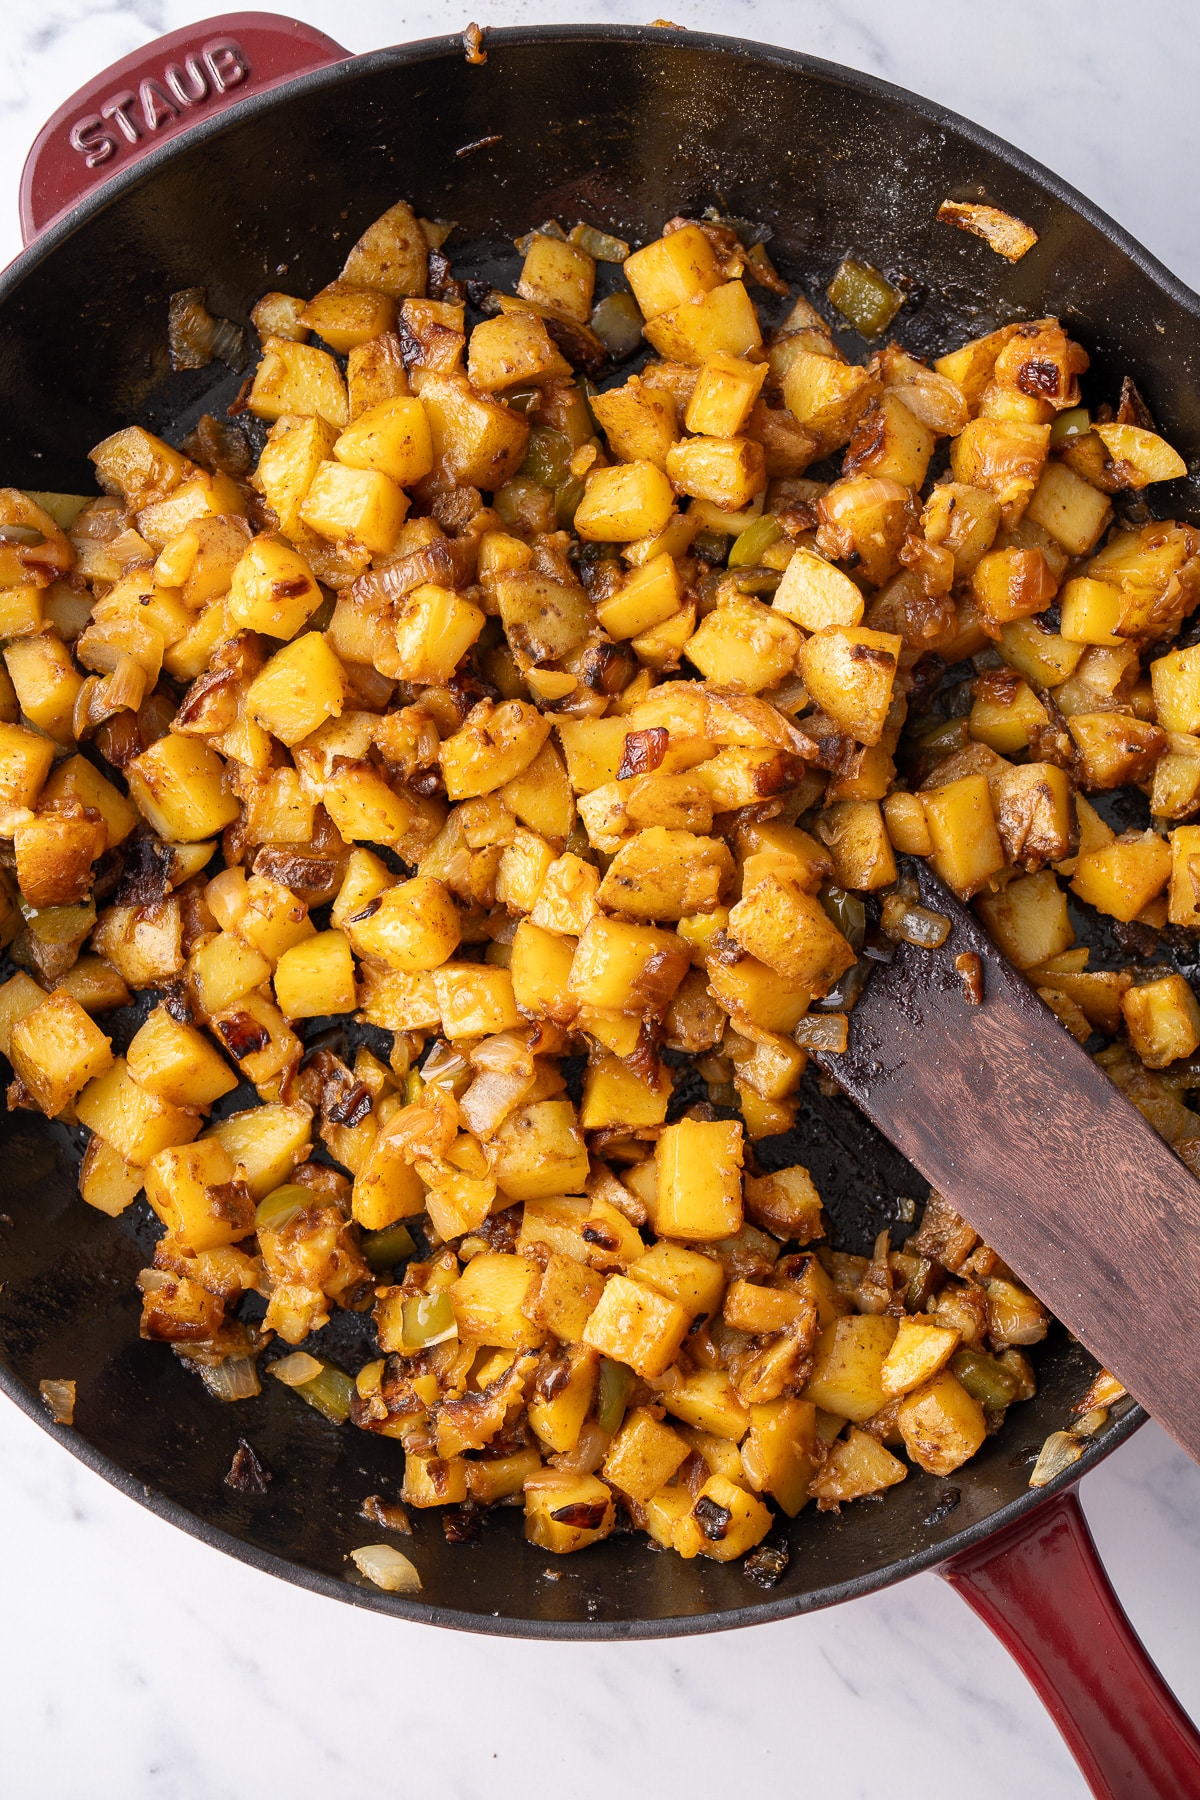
pixel 135 1663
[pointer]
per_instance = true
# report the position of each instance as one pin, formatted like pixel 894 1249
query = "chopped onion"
pixel 600 244
pixel 389 1569
pixel 1057 1454
pixel 296 1369
pixel 234 1379
pixel 617 322
pixel 58 1397
pixel 1090 1423
pixel 195 336
pixel 905 922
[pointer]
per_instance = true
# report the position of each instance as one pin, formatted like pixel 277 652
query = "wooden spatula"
pixel 1003 1112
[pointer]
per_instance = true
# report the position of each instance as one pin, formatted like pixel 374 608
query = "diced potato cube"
pixel 967 850
pixel 475 1000
pixel 1069 508
pixel 662 874
pixel 566 900
pixel 754 991
pixel 106 1180
pixel 540 966
pixel 266 914
pixel 195 1192
pixel 745 646
pixel 76 781
pixel 891 442
pixel 1028 919
pixel 316 977
pixel 636 1325
pixel 55 1049
pixel 920 1349
pixel 298 378
pixel 434 1480
pixel 693 1280
pixel 826 395
pixel 1175 678
pixel 435 628
pixel 176 1063
pixel 539 1151
pixel 47 683
pixel 725 391
pixel 708 1400
pixel 614 1094
pixel 290 459
pixel 719 322
pixel 699 1191
pixel 639 423
pixel 849 672
pixel 222 969
pixel 392 255
pixel 345 315
pixel 1012 584
pixel 494 745
pixel 847 1373
pixel 791 932
pixel 19 995
pixel 266 1143
pixel 512 349
pixel 386 1186
pixel 566 1297
pixel 355 504
pixel 1163 1018
pixel 559 1420
pixel 134 463
pixel 627 501
pixel 856 1466
pixel 488 1298
pixel 1141 456
pixel 567 1512
pixel 257 1037
pixel 559 275
pixel 728 1520
pixel 54 856
pixel 1114 748
pixel 143 943
pixel 134 1122
pixel 815 594
pixel 1004 457
pixel 862 851
pixel 650 596
pixel 672 270
pixel 778 1453
pixel 941 1424
pixel 644 1455
pixel 25 760
pixel 273 589
pixel 391 439
pixel 301 686
pixel 1123 876
pixel 726 471
pixel 477 440
pixel 626 968
pixel 411 927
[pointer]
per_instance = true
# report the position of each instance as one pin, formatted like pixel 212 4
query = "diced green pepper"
pixel 384 1249
pixel 848 912
pixel 865 297
pixel 428 1319
pixel 600 244
pixel 1075 422
pixel 329 1393
pixel 548 457
pixel 566 501
pixel 282 1205
pixel 753 543
pixel 617 322
pixel 616 1385
pixel 984 1378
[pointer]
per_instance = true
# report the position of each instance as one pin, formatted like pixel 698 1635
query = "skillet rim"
pixel 143 170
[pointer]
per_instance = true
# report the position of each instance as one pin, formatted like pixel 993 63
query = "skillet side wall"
pixel 623 128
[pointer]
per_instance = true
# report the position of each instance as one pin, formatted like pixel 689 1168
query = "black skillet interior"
pixel 623 127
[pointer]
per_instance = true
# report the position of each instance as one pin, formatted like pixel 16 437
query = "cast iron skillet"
pixel 624 127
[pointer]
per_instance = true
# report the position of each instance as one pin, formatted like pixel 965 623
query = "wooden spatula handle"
pixel 1042 1588
pixel 1002 1111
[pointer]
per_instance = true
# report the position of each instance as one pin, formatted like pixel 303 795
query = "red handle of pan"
pixel 158 92
pixel 1042 1588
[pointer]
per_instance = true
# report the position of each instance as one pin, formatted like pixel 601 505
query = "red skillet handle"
pixel 1041 1587
pixel 157 93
